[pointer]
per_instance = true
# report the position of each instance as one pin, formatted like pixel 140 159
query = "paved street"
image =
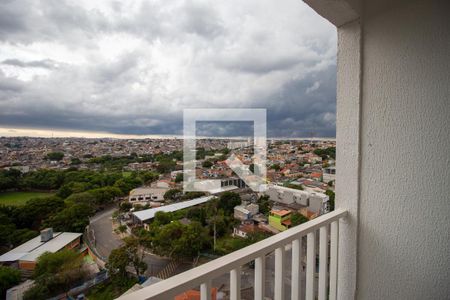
pixel 106 240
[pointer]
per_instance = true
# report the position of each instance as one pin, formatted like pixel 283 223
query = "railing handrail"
pixel 169 288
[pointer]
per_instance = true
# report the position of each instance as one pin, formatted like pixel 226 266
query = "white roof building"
pixel 148 214
pixel 31 250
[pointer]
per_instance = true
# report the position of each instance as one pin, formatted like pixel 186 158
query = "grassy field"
pixel 20 198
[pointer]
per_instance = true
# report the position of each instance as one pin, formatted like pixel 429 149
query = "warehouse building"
pixel 25 256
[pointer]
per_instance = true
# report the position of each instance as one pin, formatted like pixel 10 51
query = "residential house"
pixel 280 219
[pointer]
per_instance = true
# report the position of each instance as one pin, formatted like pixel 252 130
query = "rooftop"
pixel 32 249
pixel 281 213
pixel 147 191
pixel 148 214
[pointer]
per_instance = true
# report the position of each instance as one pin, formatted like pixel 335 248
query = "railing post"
pixel 235 284
pixel 260 269
pixel 279 273
pixel 205 290
pixel 310 265
pixel 334 240
pixel 202 275
pixel 296 268
pixel 323 262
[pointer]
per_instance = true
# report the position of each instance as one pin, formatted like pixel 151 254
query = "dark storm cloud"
pixel 45 63
pixel 132 67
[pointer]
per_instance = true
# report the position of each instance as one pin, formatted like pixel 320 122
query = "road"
pixel 106 240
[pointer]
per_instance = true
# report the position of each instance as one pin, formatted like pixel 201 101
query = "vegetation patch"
pixel 20 198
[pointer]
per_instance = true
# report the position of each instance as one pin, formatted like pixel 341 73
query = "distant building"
pixel 164 183
pixel 236 181
pixel 144 216
pixel 239 144
pixel 245 212
pixel 244 230
pixel 241 213
pixel 253 209
pixel 329 174
pixel 25 256
pixel 314 201
pixel 17 292
pixel 145 195
pixel 280 219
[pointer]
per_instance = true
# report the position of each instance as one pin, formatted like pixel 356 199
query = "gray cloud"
pixel 131 67
pixel 44 63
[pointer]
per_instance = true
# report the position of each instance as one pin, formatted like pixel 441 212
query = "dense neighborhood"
pixel 96 218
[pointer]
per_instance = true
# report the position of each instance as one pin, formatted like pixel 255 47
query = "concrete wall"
pixel 404 208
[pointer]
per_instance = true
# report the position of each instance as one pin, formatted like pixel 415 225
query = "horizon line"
pixel 61 133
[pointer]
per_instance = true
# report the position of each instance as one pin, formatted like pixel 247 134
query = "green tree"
pixel 9 179
pixel 73 218
pixel 148 177
pixel 193 239
pixel 207 164
pixel 227 202
pixel 332 196
pixel 127 184
pixel 136 251
pixel 73 187
pixel 75 161
pixel 55 156
pixel 56 273
pixel 105 195
pixel 172 194
pixel 162 218
pixel 192 195
pixel 81 198
pixel 9 277
pixel 165 166
pixel 130 254
pixel 42 179
pixel 179 178
pixel 125 206
pixel 298 219
pixel 180 241
pixel 264 204
pixel 32 214
pixel 117 265
pixel 197 213
pixel 275 167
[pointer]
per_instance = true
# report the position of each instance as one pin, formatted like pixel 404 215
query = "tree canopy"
pixel 55 156
pixel 228 200
pixel 9 277
pixel 56 273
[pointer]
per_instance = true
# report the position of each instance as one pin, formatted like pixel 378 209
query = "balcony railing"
pixel 328 227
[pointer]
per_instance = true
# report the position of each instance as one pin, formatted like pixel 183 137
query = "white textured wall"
pixel 348 153
pixel 404 208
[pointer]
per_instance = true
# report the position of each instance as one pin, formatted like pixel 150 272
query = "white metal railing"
pixel 328 226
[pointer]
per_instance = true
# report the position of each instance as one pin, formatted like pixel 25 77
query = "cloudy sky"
pixel 131 67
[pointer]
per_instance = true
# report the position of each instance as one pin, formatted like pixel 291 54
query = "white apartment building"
pixel 314 201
